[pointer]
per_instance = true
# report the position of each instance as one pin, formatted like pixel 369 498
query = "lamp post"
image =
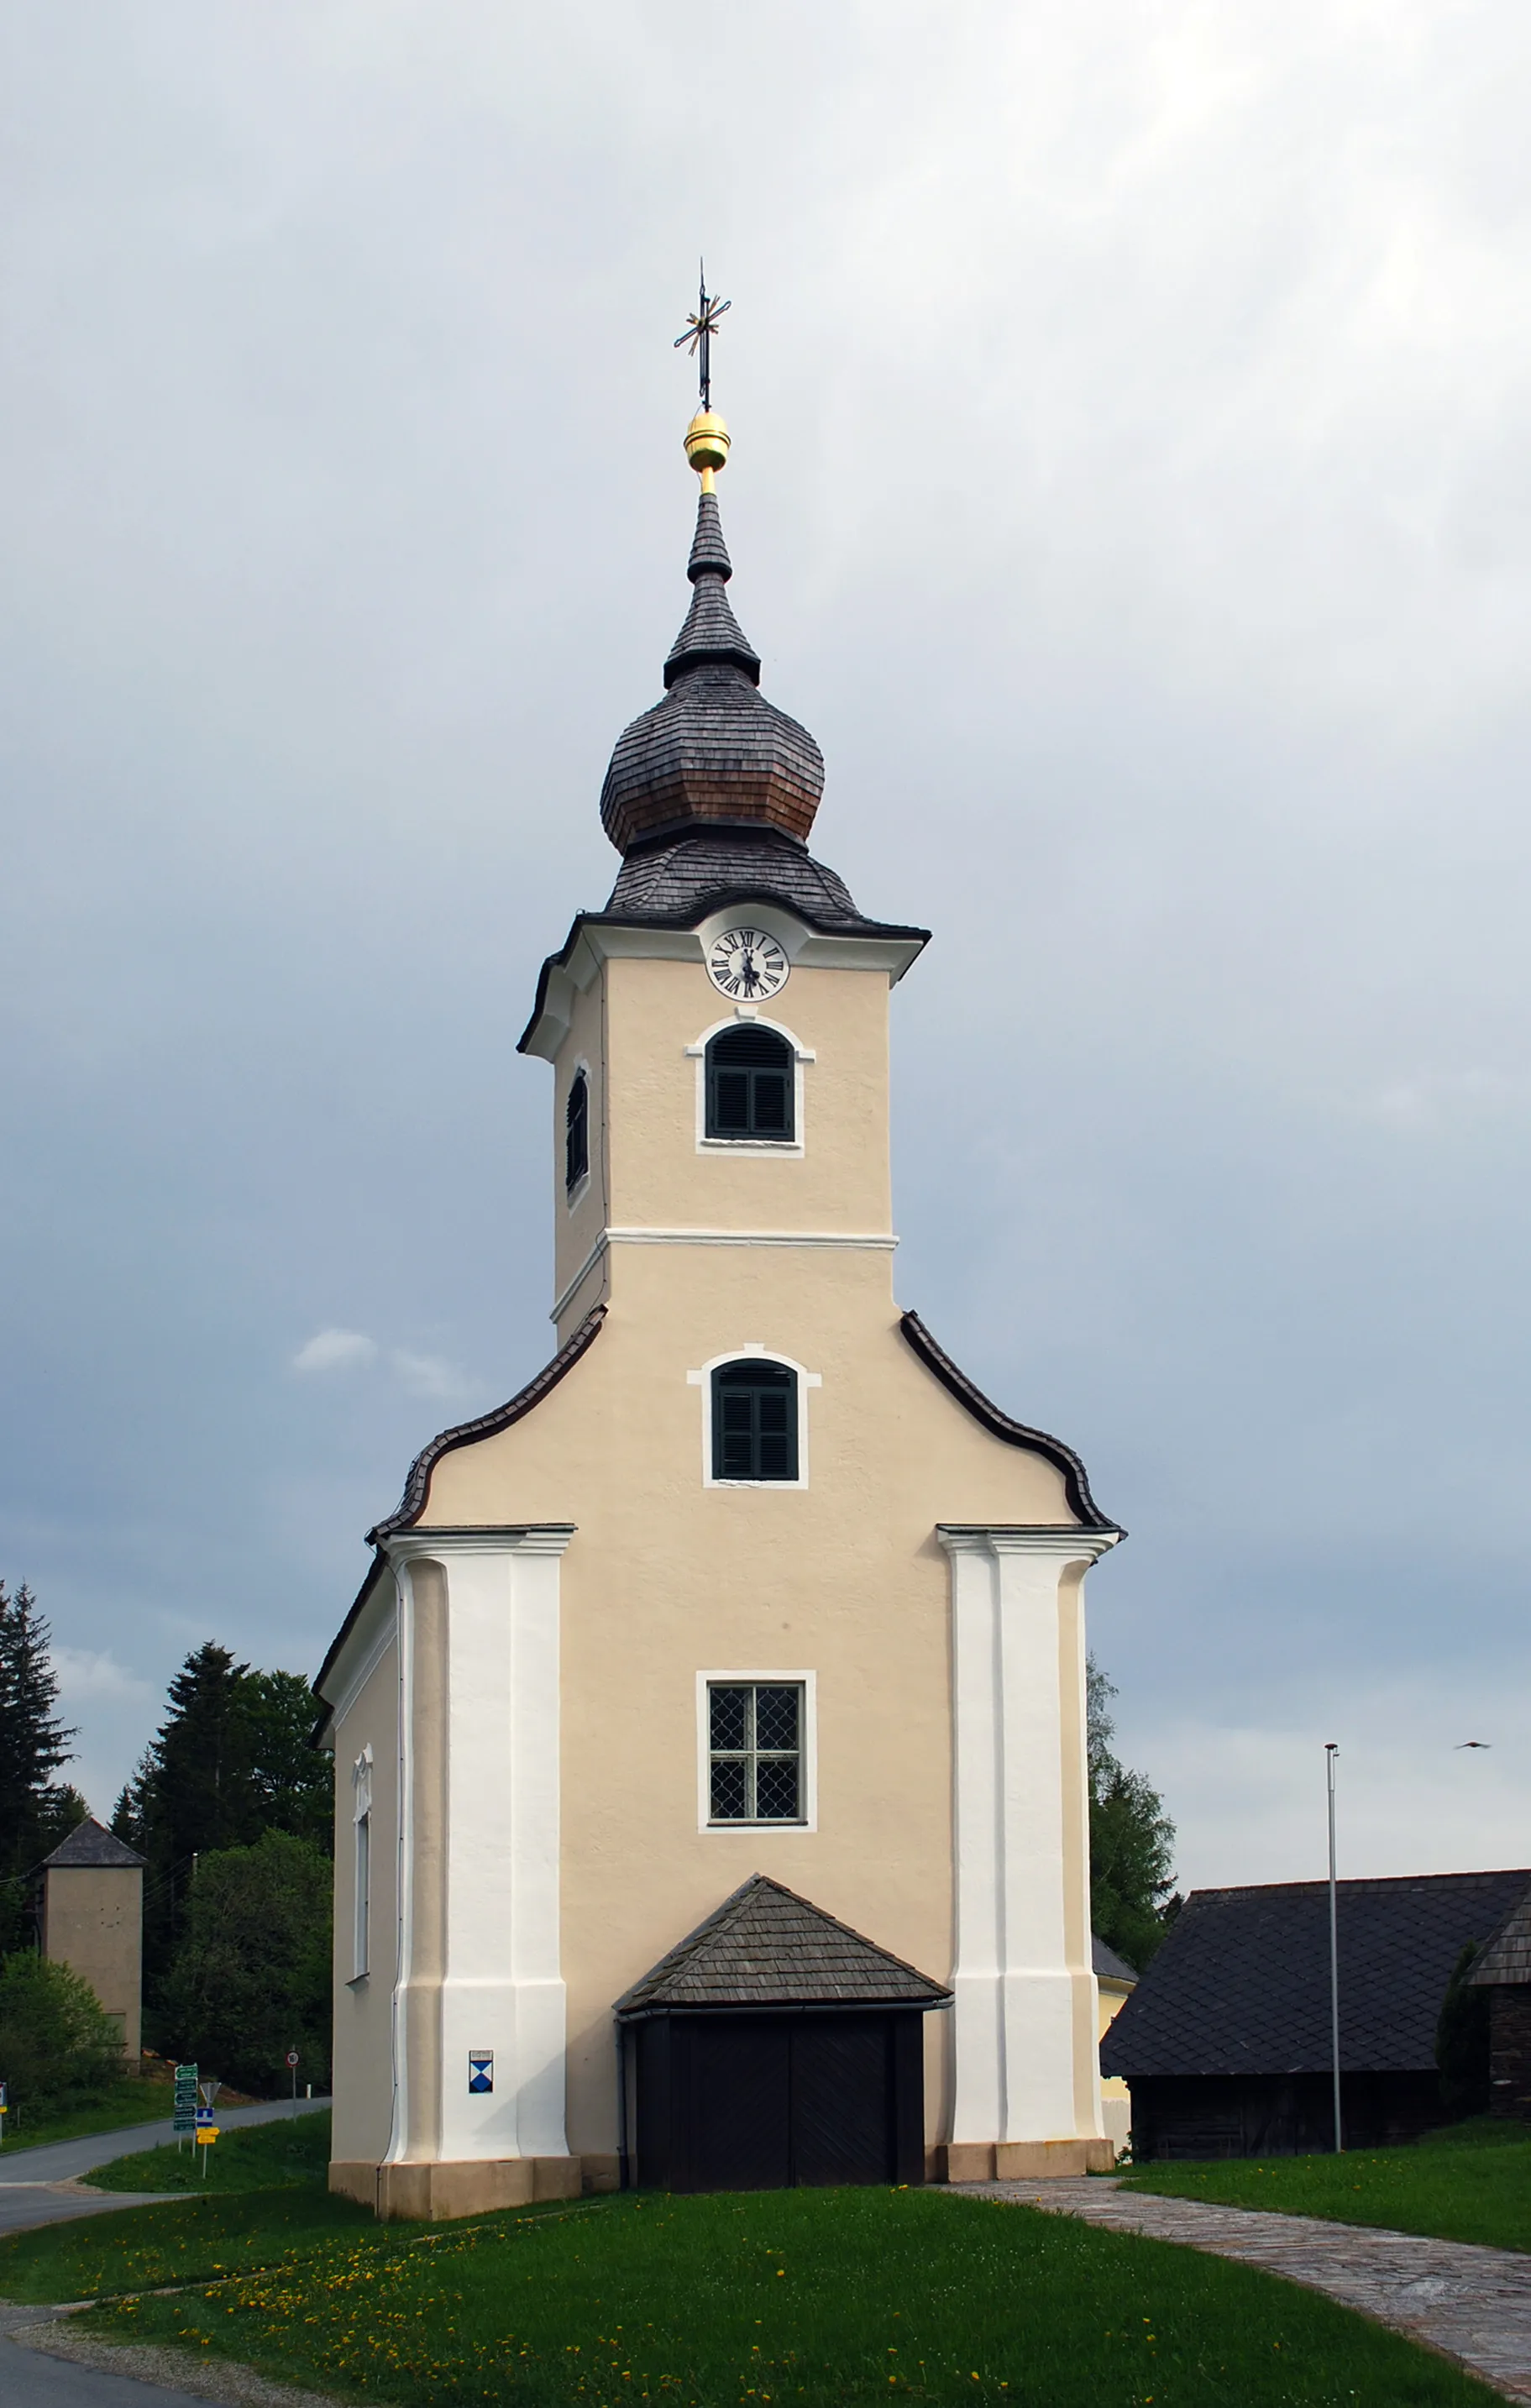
pixel 1331 1751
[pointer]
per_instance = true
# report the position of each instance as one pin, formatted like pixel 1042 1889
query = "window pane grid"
pixel 755 1752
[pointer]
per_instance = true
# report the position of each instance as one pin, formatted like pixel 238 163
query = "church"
pixel 710 1727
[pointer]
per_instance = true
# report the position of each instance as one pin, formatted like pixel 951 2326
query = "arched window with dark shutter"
pixel 750 1086
pixel 577 1132
pixel 754 1422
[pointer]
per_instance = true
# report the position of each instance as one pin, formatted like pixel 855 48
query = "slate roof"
pixel 90 1843
pixel 1506 1962
pixel 767 1947
pixel 1106 1966
pixel 714 751
pixel 1241 1985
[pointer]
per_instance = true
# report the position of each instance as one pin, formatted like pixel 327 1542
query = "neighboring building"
pixel 1116 1981
pixel 750 1580
pixel 93 1921
pixel 1224 2044
pixel 1503 1970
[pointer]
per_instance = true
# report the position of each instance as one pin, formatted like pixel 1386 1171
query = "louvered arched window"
pixel 750 1086
pixel 577 1133
pixel 754 1421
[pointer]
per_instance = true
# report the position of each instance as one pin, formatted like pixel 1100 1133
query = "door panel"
pixel 739 2096
pixel 842 2101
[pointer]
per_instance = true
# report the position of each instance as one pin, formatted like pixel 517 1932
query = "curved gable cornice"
pixel 1000 1425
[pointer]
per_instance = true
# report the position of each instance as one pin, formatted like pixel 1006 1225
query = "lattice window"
pixel 755 1751
pixel 754 1422
pixel 750 1076
pixel 577 1132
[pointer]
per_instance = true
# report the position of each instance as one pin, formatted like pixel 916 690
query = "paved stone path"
pixel 1472 2304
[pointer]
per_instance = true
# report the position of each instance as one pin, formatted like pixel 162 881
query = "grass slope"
pixel 263 2157
pixel 810 2296
pixel 113 2109
pixel 1469 2182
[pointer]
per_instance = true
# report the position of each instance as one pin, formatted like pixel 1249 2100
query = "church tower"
pixel 708 1729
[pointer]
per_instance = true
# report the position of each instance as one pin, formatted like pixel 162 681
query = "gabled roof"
pixel 90 1843
pixel 1241 1985
pixel 1106 1966
pixel 1506 1962
pixel 999 1424
pixel 767 1947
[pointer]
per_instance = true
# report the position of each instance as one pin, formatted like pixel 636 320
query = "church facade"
pixel 708 1729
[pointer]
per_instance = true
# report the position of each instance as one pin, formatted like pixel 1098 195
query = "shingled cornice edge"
pixel 999 1424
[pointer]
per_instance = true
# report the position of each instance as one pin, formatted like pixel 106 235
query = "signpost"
pixel 291 2068
pixel 185 2103
pixel 4 2110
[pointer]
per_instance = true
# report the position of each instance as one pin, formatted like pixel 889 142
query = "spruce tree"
pixel 35 1811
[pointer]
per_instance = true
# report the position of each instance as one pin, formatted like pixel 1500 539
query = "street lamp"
pixel 1331 1751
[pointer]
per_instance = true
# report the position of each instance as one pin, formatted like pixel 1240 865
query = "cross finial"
pixel 701 325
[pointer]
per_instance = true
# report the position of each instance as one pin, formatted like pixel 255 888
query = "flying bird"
pixel 1470 1742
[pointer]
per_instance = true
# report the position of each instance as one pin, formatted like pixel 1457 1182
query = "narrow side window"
pixel 577 1132
pixel 361 1776
pixel 750 1078
pixel 754 1422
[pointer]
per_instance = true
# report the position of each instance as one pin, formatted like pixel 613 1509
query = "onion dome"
pixel 714 752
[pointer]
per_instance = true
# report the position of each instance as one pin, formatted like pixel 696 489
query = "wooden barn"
pixel 1224 2044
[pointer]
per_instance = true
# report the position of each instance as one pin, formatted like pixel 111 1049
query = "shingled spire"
pixel 714 753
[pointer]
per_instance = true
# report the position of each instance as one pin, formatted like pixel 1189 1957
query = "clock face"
pixel 747 964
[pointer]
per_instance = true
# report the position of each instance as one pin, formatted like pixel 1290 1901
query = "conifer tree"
pixel 36 1812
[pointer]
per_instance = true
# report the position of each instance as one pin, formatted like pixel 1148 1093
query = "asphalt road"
pixel 37 2187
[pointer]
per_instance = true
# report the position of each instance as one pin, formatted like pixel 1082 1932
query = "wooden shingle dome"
pixel 714 752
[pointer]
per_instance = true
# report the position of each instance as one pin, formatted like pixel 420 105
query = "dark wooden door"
pixel 738 2103
pixel 843 2100
pixel 765 2102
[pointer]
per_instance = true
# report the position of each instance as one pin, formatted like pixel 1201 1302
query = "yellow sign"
pixel 207 2134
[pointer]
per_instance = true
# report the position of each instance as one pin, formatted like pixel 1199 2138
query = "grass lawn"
pixel 124 2104
pixel 812 2297
pixel 263 2157
pixel 1471 2182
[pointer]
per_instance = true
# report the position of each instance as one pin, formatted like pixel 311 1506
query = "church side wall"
pixel 364 2009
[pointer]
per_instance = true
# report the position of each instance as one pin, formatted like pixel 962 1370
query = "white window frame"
pixel 361 1866
pixel 574 1196
pixel 787 1150
pixel 754 1349
pixel 808 1683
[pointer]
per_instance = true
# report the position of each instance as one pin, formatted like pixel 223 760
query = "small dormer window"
pixel 750 1086
pixel 577 1133
pixel 754 1422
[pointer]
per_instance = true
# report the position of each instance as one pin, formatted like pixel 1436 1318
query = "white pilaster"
pixel 1022 1866
pixel 502 1987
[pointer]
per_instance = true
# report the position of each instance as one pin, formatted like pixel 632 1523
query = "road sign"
pixel 205 2135
pixel 209 2091
pixel 185 2119
pixel 292 2057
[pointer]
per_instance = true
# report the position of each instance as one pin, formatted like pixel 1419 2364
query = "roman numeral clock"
pixel 746 963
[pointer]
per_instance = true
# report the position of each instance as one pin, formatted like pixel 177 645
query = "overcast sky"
pixel 1131 489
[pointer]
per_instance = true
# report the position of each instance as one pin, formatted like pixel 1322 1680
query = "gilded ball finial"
pixel 706 446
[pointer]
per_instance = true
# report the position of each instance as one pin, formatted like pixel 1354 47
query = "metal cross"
pixel 701 325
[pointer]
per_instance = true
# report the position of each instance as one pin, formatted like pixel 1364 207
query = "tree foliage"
pixel 250 1976
pixel 1131 1841
pixel 1462 2041
pixel 229 1762
pixel 35 1811
pixel 57 2042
